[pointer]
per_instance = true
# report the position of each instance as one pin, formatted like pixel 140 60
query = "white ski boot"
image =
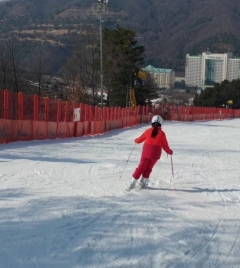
pixel 132 184
pixel 143 183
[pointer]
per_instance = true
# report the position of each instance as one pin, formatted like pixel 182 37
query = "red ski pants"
pixel 144 168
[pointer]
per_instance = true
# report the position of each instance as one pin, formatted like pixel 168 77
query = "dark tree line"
pixel 224 94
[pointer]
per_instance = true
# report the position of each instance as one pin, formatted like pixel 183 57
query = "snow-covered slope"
pixel 63 202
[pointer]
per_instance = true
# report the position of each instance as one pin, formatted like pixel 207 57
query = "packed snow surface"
pixel 63 203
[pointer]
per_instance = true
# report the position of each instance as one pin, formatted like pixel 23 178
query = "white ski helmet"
pixel 157 119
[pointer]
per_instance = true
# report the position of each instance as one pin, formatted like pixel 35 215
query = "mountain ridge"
pixel 168 29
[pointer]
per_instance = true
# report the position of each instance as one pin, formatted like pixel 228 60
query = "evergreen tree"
pixel 149 91
pixel 122 58
pixel 219 95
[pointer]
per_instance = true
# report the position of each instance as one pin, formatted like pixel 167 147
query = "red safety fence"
pixel 24 117
pixel 1 103
pixel 190 113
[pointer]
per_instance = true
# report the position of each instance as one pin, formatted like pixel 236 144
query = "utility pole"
pixel 99 8
pixel 101 61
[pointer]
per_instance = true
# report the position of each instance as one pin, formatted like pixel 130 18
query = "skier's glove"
pixel 170 152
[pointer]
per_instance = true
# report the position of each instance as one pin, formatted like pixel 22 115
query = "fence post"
pixel 91 112
pixel 20 106
pixel 114 113
pixel 81 112
pixel 35 107
pixel 147 109
pixel 59 110
pixel 96 113
pixel 66 111
pixel 46 109
pixel 6 104
pixel 108 115
pixel 119 112
pixel 104 113
pixel 86 114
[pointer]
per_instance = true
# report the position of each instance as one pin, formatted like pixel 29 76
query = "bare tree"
pixel 4 69
pixel 12 75
pixel 82 69
pixel 11 53
pixel 38 68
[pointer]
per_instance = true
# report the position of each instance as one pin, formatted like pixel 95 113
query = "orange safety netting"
pixel 41 109
pixel 1 103
pixel 53 110
pixel 13 105
pixel 24 117
pixel 28 107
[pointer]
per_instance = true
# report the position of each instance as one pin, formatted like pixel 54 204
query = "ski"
pixel 130 187
pixel 139 187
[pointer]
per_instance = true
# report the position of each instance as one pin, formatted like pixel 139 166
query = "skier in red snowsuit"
pixel 155 139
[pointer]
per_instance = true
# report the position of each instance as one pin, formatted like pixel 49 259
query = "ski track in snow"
pixel 219 230
pixel 63 203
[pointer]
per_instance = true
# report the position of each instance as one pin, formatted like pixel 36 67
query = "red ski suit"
pixel 151 152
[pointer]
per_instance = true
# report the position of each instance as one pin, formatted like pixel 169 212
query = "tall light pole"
pixel 101 61
pixel 99 8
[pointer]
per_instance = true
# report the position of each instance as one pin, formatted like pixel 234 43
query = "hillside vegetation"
pixel 168 28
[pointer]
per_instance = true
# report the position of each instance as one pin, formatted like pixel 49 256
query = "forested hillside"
pixel 168 28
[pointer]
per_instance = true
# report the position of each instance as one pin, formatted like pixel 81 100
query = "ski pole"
pixel 173 174
pixel 127 161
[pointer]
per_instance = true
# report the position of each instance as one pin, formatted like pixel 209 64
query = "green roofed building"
pixel 164 78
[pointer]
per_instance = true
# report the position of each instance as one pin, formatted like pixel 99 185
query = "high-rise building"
pixel 193 69
pixel 164 78
pixel 206 69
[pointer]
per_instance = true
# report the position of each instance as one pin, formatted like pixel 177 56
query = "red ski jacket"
pixel 152 147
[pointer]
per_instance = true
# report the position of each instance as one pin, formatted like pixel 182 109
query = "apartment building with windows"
pixel 164 78
pixel 233 69
pixel 206 69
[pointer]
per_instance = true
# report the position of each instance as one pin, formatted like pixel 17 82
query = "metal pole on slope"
pixel 99 8
pixel 173 174
pixel 101 65
pixel 127 161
